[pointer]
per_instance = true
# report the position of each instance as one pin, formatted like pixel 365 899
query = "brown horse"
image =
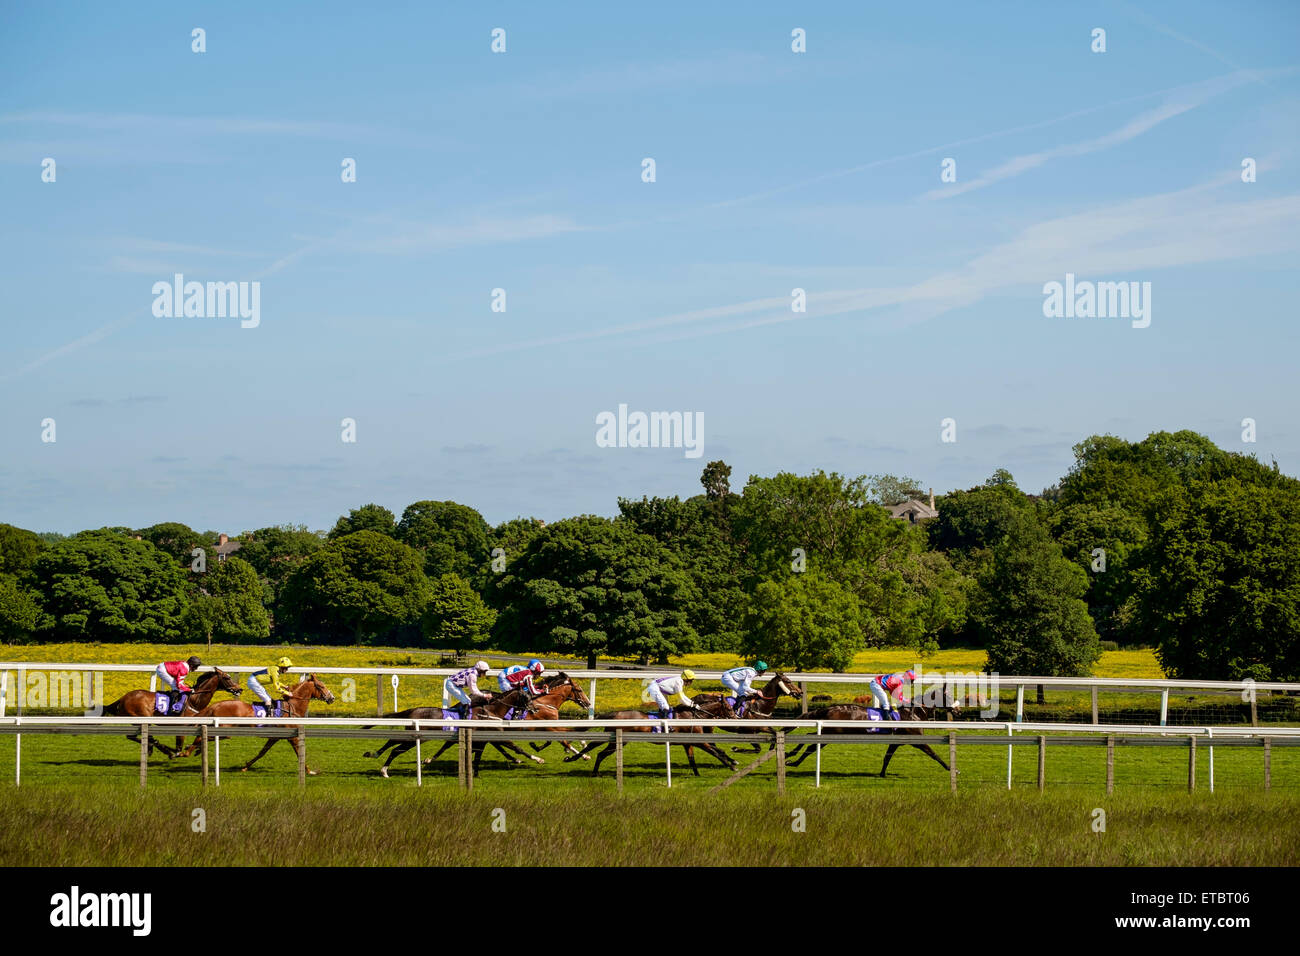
pixel 858 711
pixel 299 701
pixel 140 703
pixel 558 689
pixel 761 704
pixel 712 708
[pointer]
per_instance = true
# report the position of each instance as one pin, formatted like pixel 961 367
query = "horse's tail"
pixel 114 709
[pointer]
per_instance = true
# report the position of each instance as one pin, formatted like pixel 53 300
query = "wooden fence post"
pixel 460 757
pixel 1191 764
pixel 1042 762
pixel 1094 703
pixel 803 697
pixel 952 761
pixel 1110 765
pixel 1268 763
pixel 469 759
pixel 144 754
pixel 302 756
pixel 1254 712
pixel 618 757
pixel 203 751
pixel 780 761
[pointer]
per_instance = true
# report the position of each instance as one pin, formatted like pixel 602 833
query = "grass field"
pixel 80 801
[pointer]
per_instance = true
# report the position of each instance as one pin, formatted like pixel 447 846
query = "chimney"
pixel 931 499
pixel 222 539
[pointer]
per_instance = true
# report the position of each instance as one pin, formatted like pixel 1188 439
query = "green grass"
pixel 365 826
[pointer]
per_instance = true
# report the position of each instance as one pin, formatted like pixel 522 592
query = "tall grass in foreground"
pixel 104 826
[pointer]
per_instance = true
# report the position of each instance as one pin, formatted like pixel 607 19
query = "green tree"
pixel 241 617
pixel 456 616
pixel 803 622
pixel 1030 609
pixel 1218 584
pixel 18 550
pixel 889 490
pixel 20 611
pixel 705 548
pixel 371 517
pixel 358 588
pixel 176 539
pixel 105 586
pixel 591 586
pixel 453 537
pixel 275 553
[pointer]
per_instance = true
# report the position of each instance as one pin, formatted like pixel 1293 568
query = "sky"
pixel 523 171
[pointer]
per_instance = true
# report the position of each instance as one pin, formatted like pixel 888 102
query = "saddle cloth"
pixel 738 711
pixel 162 701
pixel 260 710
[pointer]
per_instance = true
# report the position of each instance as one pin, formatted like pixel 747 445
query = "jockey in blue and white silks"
pixel 660 690
pixel 517 676
pixel 462 687
pixel 738 680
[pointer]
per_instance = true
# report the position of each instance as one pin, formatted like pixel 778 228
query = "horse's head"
pixel 226 682
pixel 575 693
pixel 785 686
pixel 318 690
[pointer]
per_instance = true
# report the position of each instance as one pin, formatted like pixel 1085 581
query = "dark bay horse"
pixel 300 698
pixel 761 704
pixel 140 703
pixel 872 723
pixel 717 707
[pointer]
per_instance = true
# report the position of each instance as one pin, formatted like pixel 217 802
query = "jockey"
pixel 173 673
pixel 517 677
pixel 738 680
pixel 660 690
pixel 272 674
pixel 885 686
pixel 463 686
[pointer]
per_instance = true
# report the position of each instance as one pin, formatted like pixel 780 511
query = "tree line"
pixel 1170 542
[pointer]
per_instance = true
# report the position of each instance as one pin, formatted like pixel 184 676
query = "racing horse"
pixel 140 703
pixel 877 722
pixel 300 697
pixel 712 708
pixel 760 704
pixel 557 689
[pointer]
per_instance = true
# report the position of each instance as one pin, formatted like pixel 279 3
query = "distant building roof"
pixel 913 511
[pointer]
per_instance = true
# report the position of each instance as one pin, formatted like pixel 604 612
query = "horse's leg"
pixel 380 751
pixel 609 749
pixel 265 747
pixel 690 759
pixel 586 749
pixel 808 749
pixel 540 747
pixel 400 748
pixel 722 758
pixel 889 754
pixel 931 753
pixel 510 745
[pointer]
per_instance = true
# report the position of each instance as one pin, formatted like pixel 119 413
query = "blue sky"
pixel 522 171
